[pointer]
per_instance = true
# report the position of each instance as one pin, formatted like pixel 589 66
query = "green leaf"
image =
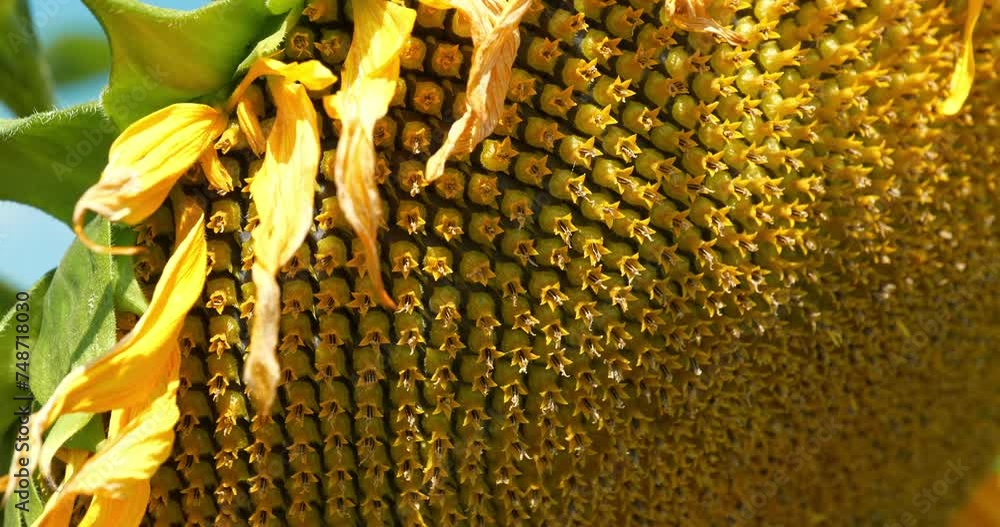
pixel 77 56
pixel 25 85
pixel 163 56
pixel 78 316
pixel 9 347
pixel 89 436
pixel 51 158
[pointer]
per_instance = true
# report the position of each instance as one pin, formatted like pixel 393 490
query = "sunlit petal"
pixel 312 74
pixel 965 68
pixel 140 364
pixel 248 111
pixel 496 39
pixel 215 172
pixel 145 162
pixel 692 15
pixel 118 474
pixel 126 509
pixel 369 83
pixel 283 192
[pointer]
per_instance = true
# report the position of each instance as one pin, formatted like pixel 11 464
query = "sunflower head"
pixel 511 261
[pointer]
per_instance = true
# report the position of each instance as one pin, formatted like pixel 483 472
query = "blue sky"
pixel 32 242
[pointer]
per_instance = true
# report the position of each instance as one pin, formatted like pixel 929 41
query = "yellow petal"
pixel 134 454
pixel 438 4
pixel 381 28
pixel 232 137
pixel 496 38
pixel 369 83
pixel 262 372
pixel 965 68
pixel 216 174
pixel 126 510
pixel 282 192
pixel 138 366
pixel 249 100
pixel 311 73
pixel 357 194
pixel 692 15
pixel 145 162
pixel 249 108
pixel 118 474
pixel 61 513
pixel 56 514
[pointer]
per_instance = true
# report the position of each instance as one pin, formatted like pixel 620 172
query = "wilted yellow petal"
pixel 357 194
pixel 282 192
pixel 138 366
pixel 369 83
pixel 495 37
pixel 248 99
pixel 216 174
pixel 965 68
pixel 145 162
pixel 262 371
pixel 232 137
pixel 381 28
pixel 692 15
pixel 249 108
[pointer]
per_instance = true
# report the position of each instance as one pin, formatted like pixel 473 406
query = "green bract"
pixel 163 56
pixel 51 158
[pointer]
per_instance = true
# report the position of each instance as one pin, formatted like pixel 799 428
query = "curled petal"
pixel 357 193
pixel 248 111
pixel 692 15
pixel 965 68
pixel 495 37
pixel 145 162
pixel 381 29
pixel 262 371
pixel 56 513
pixel 312 74
pixel 215 172
pixel 139 365
pixel 369 83
pixel 282 192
